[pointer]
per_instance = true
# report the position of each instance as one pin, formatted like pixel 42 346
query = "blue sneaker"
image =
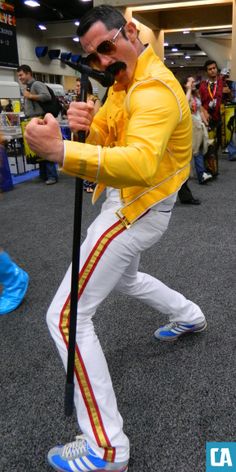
pixel 172 331
pixel 78 456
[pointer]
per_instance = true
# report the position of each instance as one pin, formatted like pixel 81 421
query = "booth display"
pixel 230 111
pixel 230 131
pixel 12 125
pixel 10 128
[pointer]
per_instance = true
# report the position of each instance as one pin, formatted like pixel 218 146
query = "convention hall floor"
pixel 173 397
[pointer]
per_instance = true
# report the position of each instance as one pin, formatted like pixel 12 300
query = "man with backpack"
pixel 38 101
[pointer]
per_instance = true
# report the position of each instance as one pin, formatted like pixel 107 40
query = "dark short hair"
pixel 209 63
pixel 108 15
pixel 25 68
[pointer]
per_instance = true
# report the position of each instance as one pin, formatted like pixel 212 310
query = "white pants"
pixel 109 260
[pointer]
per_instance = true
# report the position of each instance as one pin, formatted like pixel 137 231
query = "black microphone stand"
pixel 69 388
pixel 106 79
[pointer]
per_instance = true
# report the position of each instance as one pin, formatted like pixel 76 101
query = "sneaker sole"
pixel 172 339
pixel 107 470
pixel 95 470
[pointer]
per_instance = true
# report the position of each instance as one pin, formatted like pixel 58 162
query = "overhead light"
pixel 76 39
pixel 77 23
pixel 187 57
pixel 174 49
pixel 85 0
pixel 186 32
pixel 31 3
pixel 166 44
pixel 164 6
pixel 199 28
pixel 42 27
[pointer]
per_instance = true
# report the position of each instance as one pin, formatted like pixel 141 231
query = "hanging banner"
pixel 8 43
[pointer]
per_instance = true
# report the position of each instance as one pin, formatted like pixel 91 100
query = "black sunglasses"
pixel 106 47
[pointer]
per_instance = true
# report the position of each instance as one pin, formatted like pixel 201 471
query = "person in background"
pixel 9 106
pixel 231 146
pixel 211 94
pixel 200 134
pixel 34 93
pixel 185 195
pixel 88 186
pixel 139 146
pixel 227 95
pixel 90 94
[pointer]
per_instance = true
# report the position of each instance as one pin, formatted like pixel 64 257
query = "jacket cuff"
pixel 81 160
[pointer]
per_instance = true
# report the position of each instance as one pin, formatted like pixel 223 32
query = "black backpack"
pixel 53 106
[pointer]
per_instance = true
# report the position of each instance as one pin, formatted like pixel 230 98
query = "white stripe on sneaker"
pixel 88 463
pixel 73 466
pixel 84 464
pixel 80 466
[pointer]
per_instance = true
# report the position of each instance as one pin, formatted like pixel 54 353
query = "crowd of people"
pixel 206 98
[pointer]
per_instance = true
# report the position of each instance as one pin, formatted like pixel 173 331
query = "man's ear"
pixel 131 31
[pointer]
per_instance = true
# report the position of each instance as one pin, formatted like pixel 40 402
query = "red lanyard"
pixel 194 104
pixel 212 93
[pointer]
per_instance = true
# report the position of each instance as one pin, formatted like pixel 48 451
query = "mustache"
pixel 116 67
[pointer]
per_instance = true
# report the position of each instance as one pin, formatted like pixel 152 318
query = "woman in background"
pixel 200 133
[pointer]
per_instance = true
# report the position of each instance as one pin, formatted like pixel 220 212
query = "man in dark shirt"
pixel 211 93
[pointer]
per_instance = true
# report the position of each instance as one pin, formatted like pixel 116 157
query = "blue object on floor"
pixel 15 283
pixel 18 179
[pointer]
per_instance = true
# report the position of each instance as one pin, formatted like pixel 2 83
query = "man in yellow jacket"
pixel 139 147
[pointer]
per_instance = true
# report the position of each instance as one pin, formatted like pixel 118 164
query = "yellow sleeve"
pixel 153 116
pixel 99 128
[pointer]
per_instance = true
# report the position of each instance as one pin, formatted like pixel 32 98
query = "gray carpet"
pixel 173 397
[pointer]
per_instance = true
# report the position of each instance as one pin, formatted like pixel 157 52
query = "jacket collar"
pixel 142 70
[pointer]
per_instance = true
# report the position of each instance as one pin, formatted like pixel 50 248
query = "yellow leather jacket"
pixel 140 140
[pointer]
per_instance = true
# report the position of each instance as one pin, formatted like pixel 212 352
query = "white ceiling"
pixel 195 48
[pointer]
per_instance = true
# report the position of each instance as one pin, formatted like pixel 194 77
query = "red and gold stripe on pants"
pixel 80 369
